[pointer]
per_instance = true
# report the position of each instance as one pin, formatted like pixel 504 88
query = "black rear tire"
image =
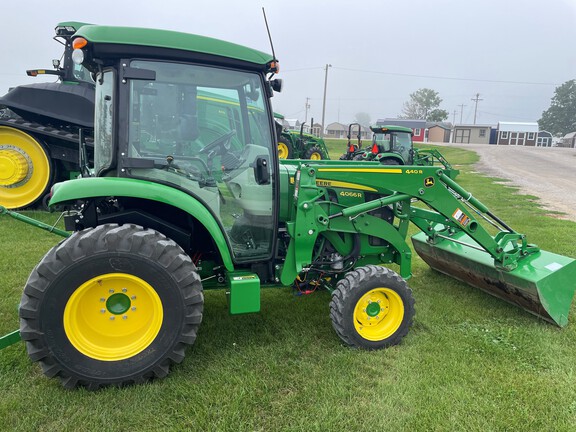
pixel 372 308
pixel 285 150
pixel 112 305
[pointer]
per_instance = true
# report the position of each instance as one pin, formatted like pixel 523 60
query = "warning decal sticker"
pixel 461 217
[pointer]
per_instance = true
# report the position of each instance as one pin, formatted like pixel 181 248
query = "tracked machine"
pixel 40 128
pixel 175 208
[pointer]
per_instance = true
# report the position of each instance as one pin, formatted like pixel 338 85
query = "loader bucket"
pixel 543 283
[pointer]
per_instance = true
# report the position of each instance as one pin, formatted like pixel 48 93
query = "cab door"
pixel 207 131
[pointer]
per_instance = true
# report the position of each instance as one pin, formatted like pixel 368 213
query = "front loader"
pixel 187 196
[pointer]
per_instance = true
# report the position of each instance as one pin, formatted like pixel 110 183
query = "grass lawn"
pixel 470 362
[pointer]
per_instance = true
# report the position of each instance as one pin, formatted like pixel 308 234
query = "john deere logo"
pixel 429 181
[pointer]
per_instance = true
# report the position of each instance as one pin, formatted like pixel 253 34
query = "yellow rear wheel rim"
pixel 113 317
pixel 283 151
pixel 378 314
pixel 24 168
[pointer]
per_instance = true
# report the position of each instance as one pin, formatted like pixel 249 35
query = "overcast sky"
pixel 512 52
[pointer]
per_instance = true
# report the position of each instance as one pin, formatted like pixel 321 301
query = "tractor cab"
pixel 192 132
pixel 391 145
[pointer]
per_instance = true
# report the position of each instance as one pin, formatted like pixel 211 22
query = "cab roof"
pixel 166 39
pixel 391 128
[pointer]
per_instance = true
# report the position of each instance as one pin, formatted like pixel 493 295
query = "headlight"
pixel 78 56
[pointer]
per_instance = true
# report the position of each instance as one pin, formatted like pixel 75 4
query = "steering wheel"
pixel 222 141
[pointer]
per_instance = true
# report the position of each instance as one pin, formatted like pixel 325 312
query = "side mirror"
pixel 276 85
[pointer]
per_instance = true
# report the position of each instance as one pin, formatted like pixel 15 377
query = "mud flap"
pixel 543 283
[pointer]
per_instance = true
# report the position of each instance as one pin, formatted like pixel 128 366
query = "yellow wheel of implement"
pixel 284 149
pixel 111 305
pixel 113 317
pixel 378 314
pixel 25 169
pixel 372 308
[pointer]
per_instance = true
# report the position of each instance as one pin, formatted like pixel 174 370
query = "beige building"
pixel 438 132
pixel 339 130
pixel 471 134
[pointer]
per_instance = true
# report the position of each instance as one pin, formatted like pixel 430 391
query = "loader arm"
pixel 455 239
pixel 451 207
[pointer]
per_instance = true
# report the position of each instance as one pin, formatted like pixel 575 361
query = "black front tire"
pixel 314 153
pixel 389 161
pixel 372 308
pixel 112 305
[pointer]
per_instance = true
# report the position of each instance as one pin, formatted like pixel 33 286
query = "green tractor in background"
pixel 299 145
pixel 393 145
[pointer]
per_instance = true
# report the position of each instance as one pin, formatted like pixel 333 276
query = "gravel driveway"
pixel 548 173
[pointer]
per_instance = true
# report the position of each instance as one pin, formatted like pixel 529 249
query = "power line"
pixel 445 77
pixel 504 116
pixel 303 69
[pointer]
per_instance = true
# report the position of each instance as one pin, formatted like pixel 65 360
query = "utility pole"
pixel 454 117
pixel 476 99
pixel 324 99
pixel 307 106
pixel 461 111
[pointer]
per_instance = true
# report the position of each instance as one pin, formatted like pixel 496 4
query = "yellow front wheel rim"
pixel 378 314
pixel 283 151
pixel 315 156
pixel 24 168
pixel 113 317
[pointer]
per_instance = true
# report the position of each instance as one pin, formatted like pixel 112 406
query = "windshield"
pixel 203 130
pixel 395 142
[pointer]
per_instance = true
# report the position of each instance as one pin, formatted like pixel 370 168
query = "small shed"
pixel 517 133
pixel 315 129
pixel 569 140
pixel 471 134
pixel 544 139
pixel 439 132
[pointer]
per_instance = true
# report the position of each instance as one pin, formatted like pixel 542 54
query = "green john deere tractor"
pixel 299 145
pixel 392 145
pixel 187 196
